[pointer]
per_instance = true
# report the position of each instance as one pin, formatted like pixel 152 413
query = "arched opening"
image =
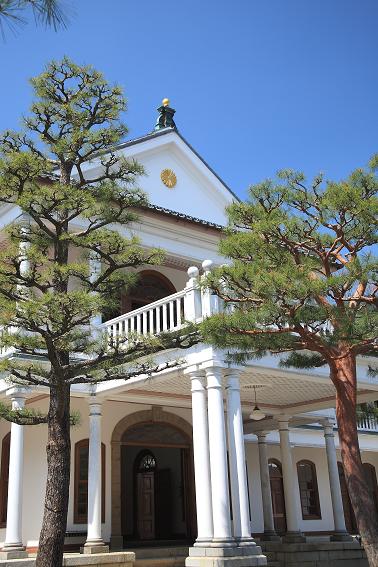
pixel 153 489
pixel 308 490
pixel 278 498
pixel 350 519
pixel 151 286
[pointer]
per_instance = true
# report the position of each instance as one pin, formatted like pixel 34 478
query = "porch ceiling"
pixel 277 391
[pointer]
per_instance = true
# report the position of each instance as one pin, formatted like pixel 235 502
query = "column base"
pixel 293 537
pixel 202 542
pixel 341 536
pixel 238 556
pixel 93 547
pixel 270 536
pixel 222 542
pixel 13 552
pixel 245 542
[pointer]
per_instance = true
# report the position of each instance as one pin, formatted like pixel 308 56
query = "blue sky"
pixel 258 85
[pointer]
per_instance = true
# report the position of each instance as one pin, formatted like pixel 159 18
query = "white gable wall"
pixel 198 192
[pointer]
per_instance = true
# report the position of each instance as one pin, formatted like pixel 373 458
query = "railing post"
pixel 192 299
pixel 211 303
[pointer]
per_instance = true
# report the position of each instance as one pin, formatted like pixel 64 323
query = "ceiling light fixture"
pixel 256 413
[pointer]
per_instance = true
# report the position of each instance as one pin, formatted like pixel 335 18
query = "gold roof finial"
pixel 165 101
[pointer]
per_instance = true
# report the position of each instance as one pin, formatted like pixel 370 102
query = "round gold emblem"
pixel 169 178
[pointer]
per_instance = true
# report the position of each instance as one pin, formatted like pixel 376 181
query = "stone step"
pixel 160 556
pixel 161 562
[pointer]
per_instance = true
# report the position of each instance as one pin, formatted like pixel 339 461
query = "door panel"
pixel 146 505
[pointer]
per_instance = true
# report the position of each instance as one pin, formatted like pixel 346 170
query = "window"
pixel 147 462
pixel 308 490
pixel 151 286
pixel 81 482
pixel 4 475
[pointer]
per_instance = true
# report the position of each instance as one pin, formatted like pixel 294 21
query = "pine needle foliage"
pixel 49 13
pixel 302 272
pixel 302 282
pixel 51 291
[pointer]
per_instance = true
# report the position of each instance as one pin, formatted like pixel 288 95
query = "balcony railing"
pixel 367 424
pixel 167 314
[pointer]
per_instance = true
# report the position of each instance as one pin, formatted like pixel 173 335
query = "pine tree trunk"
pixel 50 552
pixel 345 380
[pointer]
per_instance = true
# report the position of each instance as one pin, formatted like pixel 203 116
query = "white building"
pixel 275 476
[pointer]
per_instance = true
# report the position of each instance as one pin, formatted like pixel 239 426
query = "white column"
pixel 334 483
pixel 238 472
pixel 94 538
pixel 13 534
pixel 218 459
pixel 290 482
pixel 201 462
pixel 269 529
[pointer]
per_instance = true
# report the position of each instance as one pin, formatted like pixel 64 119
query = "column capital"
pixel 95 404
pixel 261 436
pixel 198 383
pixel 233 381
pixel 214 375
pixel 16 392
pixel 328 425
pixel 283 421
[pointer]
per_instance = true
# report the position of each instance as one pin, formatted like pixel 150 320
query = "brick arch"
pixel 154 415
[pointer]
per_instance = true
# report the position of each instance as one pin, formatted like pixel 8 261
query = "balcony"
pixel 168 314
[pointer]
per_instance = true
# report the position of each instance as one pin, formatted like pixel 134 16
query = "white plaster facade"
pixel 302 400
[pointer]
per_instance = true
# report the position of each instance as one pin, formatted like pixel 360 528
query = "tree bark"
pixel 343 372
pixel 51 542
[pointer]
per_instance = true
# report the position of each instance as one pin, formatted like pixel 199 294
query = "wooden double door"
pixel 154 504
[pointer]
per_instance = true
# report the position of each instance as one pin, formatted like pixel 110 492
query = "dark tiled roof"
pixel 183 216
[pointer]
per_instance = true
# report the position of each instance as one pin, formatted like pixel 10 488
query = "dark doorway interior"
pixel 157 493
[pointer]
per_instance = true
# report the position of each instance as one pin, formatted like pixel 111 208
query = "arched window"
pixel 146 462
pixel 4 475
pixel 371 479
pixel 278 497
pixel 151 286
pixel 81 482
pixel 308 489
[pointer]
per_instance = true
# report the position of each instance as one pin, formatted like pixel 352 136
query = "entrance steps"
pixel 168 557
pixel 160 556
pixel 314 554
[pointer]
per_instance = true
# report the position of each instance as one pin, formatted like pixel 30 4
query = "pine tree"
pixel 302 280
pixel 50 291
pixel 46 12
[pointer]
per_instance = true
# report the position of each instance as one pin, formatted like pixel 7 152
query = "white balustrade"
pixel 164 315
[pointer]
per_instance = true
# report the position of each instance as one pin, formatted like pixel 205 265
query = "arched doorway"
pixel 278 499
pixel 153 497
pixel 350 519
pixel 151 286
